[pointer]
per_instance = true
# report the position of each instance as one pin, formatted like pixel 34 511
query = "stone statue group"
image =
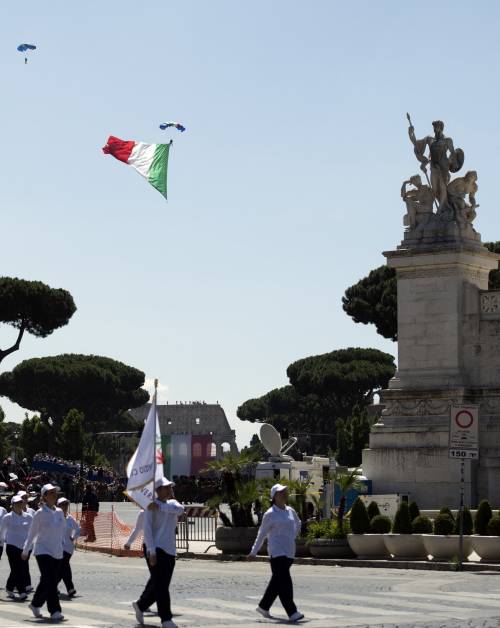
pixel 454 200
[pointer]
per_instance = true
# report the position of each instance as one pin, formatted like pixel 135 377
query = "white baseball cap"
pixel 22 493
pixel 3 485
pixel 48 487
pixel 16 499
pixel 277 488
pixel 163 482
pixel 62 500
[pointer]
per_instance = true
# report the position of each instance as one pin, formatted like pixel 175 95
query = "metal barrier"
pixel 105 532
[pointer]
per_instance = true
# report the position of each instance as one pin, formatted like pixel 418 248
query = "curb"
pixel 427 565
pixel 423 565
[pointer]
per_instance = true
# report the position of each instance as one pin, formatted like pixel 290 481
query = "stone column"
pixel 438 293
pixel 442 359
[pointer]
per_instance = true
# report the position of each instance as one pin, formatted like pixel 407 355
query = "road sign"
pixel 464 432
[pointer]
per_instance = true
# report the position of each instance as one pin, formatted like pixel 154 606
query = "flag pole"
pixel 154 446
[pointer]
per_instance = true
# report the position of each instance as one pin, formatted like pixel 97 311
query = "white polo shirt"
pixel 139 527
pixel 14 528
pixel 159 526
pixel 3 512
pixel 71 533
pixel 46 533
pixel 281 527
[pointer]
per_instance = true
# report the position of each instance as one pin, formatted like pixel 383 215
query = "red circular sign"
pixel 464 419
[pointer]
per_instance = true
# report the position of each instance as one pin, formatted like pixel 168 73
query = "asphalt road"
pixel 213 593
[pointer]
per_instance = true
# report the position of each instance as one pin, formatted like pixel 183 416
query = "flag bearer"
pixel 160 521
pixel 46 538
pixel 281 525
pixel 14 529
pixel 71 535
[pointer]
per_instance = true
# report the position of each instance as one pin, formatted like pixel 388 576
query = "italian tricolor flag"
pixel 150 160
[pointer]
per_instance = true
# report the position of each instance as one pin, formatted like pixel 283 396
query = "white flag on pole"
pixel 147 462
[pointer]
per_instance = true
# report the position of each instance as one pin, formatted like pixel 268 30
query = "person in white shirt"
pixel 280 525
pixel 31 512
pixel 3 512
pixel 139 529
pixel 46 538
pixel 71 535
pixel 160 521
pixel 14 529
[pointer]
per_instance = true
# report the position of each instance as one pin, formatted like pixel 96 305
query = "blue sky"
pixel 283 191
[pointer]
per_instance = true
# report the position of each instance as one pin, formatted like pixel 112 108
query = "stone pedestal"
pixel 448 352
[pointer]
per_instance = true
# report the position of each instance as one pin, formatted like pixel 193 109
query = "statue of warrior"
pixel 443 159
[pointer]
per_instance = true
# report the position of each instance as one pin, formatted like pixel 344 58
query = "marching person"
pixel 3 512
pixel 148 592
pixel 71 535
pixel 46 538
pixel 26 565
pixel 280 525
pixel 160 521
pixel 14 529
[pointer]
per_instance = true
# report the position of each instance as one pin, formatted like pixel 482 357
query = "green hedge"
pixel 402 521
pixel 421 525
pixel 483 516
pixel 373 510
pixel 380 524
pixel 359 519
pixel 443 524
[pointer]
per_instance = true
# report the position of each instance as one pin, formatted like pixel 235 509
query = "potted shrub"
pixel 414 510
pixel 328 539
pixel 373 510
pixel 482 518
pixel 402 543
pixel 421 525
pixel 362 541
pixel 487 546
pixel 380 524
pixel 237 533
pixel 444 544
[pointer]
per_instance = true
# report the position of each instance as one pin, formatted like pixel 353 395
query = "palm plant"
pixel 298 501
pixel 346 482
pixel 234 489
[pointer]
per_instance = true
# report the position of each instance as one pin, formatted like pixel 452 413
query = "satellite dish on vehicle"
pixel 271 439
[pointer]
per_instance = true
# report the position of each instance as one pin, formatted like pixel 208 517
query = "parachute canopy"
pixel 26 47
pixel 177 125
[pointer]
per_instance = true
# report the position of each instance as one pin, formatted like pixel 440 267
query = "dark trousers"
pixel 65 573
pixel 161 575
pixel 17 576
pixel 148 592
pixel 26 564
pixel 280 585
pixel 46 590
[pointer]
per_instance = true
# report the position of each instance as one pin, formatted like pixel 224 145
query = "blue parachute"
pixel 176 125
pixel 25 48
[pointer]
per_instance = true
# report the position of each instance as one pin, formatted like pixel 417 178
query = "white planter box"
pixel 446 547
pixel 405 546
pixel 368 546
pixel 487 547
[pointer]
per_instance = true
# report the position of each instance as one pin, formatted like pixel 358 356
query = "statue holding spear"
pixel 443 159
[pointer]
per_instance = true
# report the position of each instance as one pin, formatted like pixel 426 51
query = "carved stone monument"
pixel 448 340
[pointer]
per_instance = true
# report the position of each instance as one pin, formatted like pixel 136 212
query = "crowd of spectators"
pixel 72 479
pixel 66 474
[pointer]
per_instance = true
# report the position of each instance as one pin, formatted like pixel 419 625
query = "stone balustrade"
pixel 490 304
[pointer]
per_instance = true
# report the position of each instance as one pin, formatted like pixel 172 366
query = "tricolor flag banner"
pixel 150 160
